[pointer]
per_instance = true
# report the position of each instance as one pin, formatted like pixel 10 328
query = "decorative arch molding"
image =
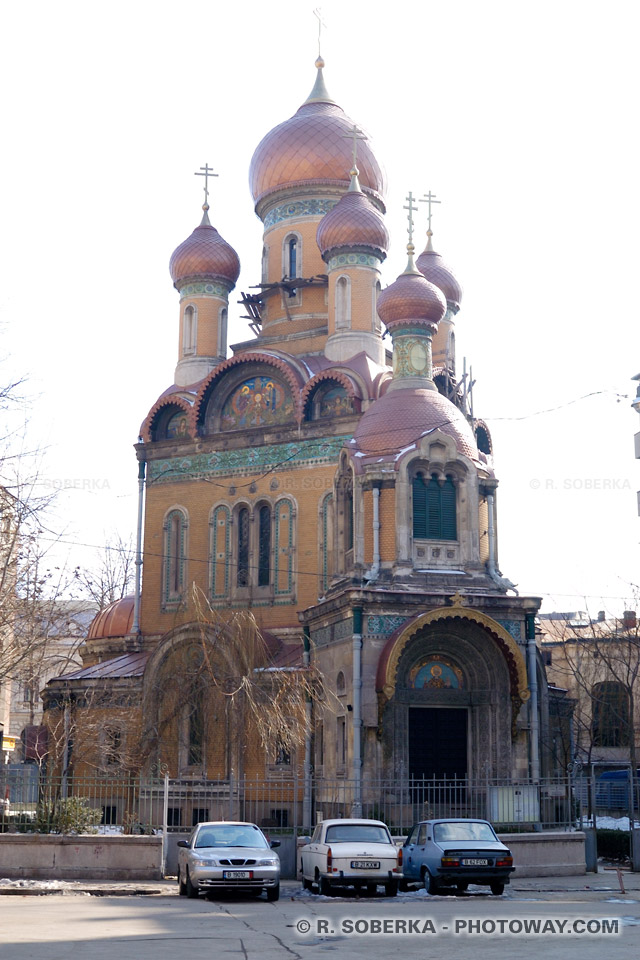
pixel 161 413
pixel 198 412
pixel 387 674
pixel 447 458
pixel 353 389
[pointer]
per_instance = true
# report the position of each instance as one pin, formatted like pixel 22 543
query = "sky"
pixel 521 118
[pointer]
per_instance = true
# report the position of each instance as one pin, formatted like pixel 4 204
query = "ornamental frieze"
pixel 314 207
pixel 286 456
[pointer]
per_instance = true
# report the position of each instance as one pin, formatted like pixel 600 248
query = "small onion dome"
pixel 313 146
pixel 204 255
pixel 400 417
pixel 433 267
pixel 114 621
pixel 353 222
pixel 411 297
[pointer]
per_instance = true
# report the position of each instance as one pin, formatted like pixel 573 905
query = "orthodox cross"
pixel 429 198
pixel 207 172
pixel 318 14
pixel 355 135
pixel 411 208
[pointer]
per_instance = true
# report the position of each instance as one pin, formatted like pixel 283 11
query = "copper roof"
pixel 436 271
pixel 312 145
pixel 401 417
pixel 127 665
pixel 353 222
pixel 114 621
pixel 204 255
pixel 411 297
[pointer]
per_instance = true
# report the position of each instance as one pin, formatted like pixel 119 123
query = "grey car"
pixel 455 853
pixel 228 855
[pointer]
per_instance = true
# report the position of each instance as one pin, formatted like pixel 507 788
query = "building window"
pixel 434 508
pixel 175 534
pixel 341 743
pixel 283 754
pixel 264 546
pixel 610 724
pixel 222 332
pixel 343 303
pixel 292 250
pixel 195 753
pixel 292 261
pixel 113 746
pixel 243 547
pixel 189 331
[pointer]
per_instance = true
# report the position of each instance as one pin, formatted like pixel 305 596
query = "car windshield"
pixel 355 832
pixel 230 835
pixel 463 831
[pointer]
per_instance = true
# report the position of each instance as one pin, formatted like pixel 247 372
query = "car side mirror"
pixel 274 844
pixel 183 843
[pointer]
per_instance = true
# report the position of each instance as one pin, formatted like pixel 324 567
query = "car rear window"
pixel 354 832
pixel 463 831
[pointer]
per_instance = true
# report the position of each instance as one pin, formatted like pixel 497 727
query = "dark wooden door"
pixel 437 742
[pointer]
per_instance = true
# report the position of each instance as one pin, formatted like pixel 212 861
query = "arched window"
pixel 610 714
pixel 265 264
pixel 292 259
pixel 434 508
pixel 264 546
pixel 189 330
pixel 195 733
pixel 348 519
pixel 175 536
pixel 292 262
pixel 343 303
pixel 243 547
pixel 341 686
pixel 222 332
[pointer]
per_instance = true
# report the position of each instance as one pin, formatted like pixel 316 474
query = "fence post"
pixel 165 824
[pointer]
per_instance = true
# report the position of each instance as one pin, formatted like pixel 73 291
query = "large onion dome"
pixel 411 298
pixel 312 147
pixel 204 256
pixel 354 223
pixel 400 417
pixel 433 267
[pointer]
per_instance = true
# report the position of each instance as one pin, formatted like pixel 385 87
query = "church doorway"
pixel 437 742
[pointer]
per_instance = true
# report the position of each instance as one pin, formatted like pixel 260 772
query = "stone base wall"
pixel 47 857
pixel 549 854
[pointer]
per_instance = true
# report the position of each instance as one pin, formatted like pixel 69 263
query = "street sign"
pixel 9 743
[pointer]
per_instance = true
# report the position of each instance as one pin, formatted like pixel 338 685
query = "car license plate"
pixel 365 864
pixel 476 862
pixel 237 874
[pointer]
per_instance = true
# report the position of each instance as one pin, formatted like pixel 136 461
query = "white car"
pixel 228 855
pixel 354 853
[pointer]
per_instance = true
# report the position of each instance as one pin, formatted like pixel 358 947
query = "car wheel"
pixel 461 887
pixel 273 893
pixel 391 888
pixel 324 887
pixel 430 884
pixel 306 884
pixel 192 891
pixel 497 889
pixel 371 889
pixel 182 887
pixel 403 886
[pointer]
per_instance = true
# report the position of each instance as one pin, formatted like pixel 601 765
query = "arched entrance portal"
pixel 450 686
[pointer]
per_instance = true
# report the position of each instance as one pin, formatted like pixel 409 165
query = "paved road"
pixel 83 927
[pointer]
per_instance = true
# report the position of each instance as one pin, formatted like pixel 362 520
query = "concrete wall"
pixel 36 856
pixel 546 854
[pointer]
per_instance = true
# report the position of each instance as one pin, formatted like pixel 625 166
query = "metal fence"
pixel 286 805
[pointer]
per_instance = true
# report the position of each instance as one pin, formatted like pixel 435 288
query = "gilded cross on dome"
pixel 207 172
pixel 318 15
pixel 354 135
pixel 411 208
pixel 429 198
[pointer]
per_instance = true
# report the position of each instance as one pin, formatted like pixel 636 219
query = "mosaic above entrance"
pixel 435 673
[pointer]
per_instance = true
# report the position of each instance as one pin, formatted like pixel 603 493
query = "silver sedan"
pixel 230 856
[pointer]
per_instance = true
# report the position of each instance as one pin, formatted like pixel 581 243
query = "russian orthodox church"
pixel 333 481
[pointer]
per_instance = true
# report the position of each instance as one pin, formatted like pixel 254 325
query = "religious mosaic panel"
pixel 177 426
pixel 256 402
pixel 435 673
pixel 332 402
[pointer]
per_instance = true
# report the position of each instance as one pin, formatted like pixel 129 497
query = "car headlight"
pixel 268 862
pixel 205 863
